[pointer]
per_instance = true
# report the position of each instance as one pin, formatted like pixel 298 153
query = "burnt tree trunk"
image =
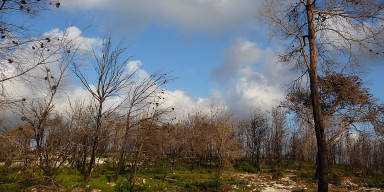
pixel 95 141
pixel 322 150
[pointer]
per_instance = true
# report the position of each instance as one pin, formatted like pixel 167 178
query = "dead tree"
pixel 37 112
pixel 278 134
pixel 256 132
pixel 329 34
pixel 142 96
pixel 16 42
pixel 110 81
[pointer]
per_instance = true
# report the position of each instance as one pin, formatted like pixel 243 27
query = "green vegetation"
pixel 181 177
pixel 154 178
pixel 245 166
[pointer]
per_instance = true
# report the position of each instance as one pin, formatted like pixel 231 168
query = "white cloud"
pixel 72 95
pixel 75 34
pixel 191 15
pixel 183 103
pixel 257 80
pixel 135 67
pixel 258 93
pixel 33 86
pixel 32 83
pixel 83 4
pixel 251 77
pixel 239 54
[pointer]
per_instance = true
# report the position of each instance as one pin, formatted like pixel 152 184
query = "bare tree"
pixel 80 123
pixel 225 142
pixel 146 132
pixel 257 128
pixel 17 43
pixel 143 100
pixel 201 140
pixel 278 133
pixel 110 80
pixel 38 113
pixel 319 30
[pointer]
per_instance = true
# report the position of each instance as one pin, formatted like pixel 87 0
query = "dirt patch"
pixel 265 182
pixel 290 182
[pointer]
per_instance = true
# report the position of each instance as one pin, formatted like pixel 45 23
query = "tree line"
pixel 81 139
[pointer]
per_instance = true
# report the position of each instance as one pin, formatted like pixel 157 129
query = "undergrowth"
pixel 184 176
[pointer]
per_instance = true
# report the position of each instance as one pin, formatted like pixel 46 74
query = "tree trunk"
pixel 134 171
pixel 119 164
pixel 95 141
pixel 124 145
pixel 91 163
pixel 258 159
pixel 322 150
pixel 84 160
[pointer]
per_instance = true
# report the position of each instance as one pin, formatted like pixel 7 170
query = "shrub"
pixel 245 166
pixel 335 179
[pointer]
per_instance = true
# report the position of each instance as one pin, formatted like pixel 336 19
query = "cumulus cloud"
pixel 191 15
pixel 135 67
pixel 347 41
pixel 32 83
pixel 249 77
pixel 75 34
pixel 183 103
pixel 256 80
pixel 254 76
pixel 33 86
pixel 239 54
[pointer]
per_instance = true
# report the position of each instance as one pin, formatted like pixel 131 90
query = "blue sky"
pixel 216 50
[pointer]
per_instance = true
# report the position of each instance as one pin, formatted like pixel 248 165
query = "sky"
pixel 217 50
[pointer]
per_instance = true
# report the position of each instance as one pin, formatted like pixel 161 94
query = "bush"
pixel 335 179
pixel 122 187
pixel 215 184
pixel 209 185
pixel 245 166
pixel 276 173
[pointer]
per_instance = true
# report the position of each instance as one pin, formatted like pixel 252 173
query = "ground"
pixel 239 177
pixel 290 182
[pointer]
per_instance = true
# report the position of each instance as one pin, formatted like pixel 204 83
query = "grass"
pixel 375 179
pixel 70 178
pixel 181 177
pixel 245 166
